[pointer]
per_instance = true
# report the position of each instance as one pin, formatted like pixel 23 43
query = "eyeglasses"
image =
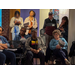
pixel 56 34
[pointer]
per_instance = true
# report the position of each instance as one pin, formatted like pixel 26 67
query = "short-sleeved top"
pixel 4 41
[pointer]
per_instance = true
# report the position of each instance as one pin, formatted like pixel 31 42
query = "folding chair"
pixel 14 45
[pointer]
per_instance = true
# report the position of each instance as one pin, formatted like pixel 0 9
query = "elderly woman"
pixel 59 46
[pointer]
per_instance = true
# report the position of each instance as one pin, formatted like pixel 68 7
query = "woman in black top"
pixel 64 27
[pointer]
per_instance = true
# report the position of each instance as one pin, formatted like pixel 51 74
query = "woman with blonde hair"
pixel 59 46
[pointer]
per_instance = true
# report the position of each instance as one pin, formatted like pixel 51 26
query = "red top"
pixel 49 30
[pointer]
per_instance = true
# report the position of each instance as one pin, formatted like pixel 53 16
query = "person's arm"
pixel 42 45
pixel 26 21
pixel 22 22
pixel 4 46
pixel 1 48
pixel 51 45
pixel 28 47
pixel 66 44
pixel 12 22
pixel 35 23
pixel 44 24
pixel 27 44
pixel 6 43
pixel 66 31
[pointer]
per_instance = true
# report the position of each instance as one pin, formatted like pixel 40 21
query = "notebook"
pixel 26 24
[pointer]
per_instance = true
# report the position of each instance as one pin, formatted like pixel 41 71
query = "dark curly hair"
pixel 33 11
pixel 66 23
pixel 17 12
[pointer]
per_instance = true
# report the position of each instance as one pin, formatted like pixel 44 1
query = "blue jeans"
pixel 7 55
pixel 15 32
pixel 29 35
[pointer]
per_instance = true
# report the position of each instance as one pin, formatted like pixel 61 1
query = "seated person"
pixel 58 50
pixel 72 53
pixel 34 46
pixel 5 54
pixel 21 37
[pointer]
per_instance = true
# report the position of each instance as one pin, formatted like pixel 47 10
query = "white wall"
pixel 71 31
pixel 63 12
pixel 43 15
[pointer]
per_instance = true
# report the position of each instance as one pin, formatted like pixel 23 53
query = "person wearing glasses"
pixel 21 37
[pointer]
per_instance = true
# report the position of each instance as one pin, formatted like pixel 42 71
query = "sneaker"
pixel 67 62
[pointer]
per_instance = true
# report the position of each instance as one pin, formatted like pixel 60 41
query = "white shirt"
pixel 12 24
pixel 34 23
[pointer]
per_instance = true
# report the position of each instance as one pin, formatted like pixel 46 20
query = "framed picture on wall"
pixel 55 14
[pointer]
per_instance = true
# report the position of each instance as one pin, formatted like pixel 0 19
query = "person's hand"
pixel 44 33
pixel 30 26
pixel 33 50
pixel 58 47
pixel 15 22
pixel 1 48
pixel 11 46
pixel 62 23
pixel 19 22
pixel 39 49
pixel 62 29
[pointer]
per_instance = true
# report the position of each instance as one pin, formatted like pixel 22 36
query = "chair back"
pixel 15 44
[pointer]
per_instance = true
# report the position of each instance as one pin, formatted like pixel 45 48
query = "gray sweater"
pixel 40 44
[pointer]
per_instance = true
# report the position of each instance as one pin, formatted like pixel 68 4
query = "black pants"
pixel 7 55
pixel 30 55
pixel 72 50
pixel 58 53
pixel 49 51
pixel 48 54
pixel 19 51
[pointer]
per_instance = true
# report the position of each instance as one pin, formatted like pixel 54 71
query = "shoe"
pixel 67 62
